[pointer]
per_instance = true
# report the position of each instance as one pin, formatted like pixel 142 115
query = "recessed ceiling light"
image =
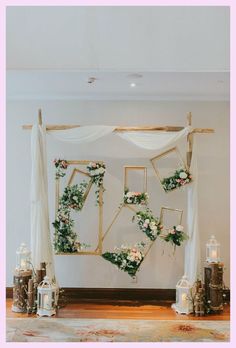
pixel 133 84
pixel 92 79
pixel 135 76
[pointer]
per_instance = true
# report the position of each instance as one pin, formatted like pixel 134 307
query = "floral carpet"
pixel 113 330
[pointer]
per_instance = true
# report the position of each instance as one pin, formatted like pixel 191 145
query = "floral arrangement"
pixel 180 178
pixel 127 258
pixel 65 240
pixel 97 171
pixel 61 166
pixel 148 224
pixel 140 198
pixel 176 235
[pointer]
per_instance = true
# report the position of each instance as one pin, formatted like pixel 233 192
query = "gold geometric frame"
pixel 98 250
pixel 163 154
pixel 129 168
pixel 163 209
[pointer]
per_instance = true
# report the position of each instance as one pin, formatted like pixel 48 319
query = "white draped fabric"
pixel 154 140
pixel 149 141
pixel 192 249
pixel 41 246
pixel 82 135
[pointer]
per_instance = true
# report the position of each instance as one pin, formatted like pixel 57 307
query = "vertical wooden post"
pixel 100 236
pixel 40 120
pixel 190 141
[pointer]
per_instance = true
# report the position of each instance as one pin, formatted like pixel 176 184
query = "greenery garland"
pixel 61 166
pixel 180 178
pixel 148 224
pixel 126 258
pixel 97 171
pixel 140 198
pixel 65 239
pixel 176 235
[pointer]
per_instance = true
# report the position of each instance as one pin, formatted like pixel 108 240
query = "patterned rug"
pixel 113 330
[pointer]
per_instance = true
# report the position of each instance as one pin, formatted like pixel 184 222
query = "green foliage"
pixel 176 237
pixel 180 178
pixel 97 171
pixel 139 198
pixel 128 259
pixel 148 224
pixel 64 237
pixel 61 166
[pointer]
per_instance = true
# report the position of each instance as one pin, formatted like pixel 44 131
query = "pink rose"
pixel 145 225
pixel 172 231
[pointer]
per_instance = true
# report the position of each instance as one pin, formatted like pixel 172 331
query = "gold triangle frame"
pixel 131 207
pixel 98 250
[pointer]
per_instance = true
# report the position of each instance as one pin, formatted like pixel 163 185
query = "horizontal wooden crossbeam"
pixel 51 127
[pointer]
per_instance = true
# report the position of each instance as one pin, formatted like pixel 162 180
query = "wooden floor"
pixel 122 310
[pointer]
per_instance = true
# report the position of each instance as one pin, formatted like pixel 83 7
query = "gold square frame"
pixel 129 168
pixel 163 209
pixel 98 249
pixel 163 154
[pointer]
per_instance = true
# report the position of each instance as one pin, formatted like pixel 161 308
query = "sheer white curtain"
pixel 82 135
pixel 192 249
pixel 41 246
pixel 154 140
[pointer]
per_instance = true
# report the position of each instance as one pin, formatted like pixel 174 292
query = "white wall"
pixel 157 271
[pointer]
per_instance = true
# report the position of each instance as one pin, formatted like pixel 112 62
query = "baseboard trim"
pixel 116 294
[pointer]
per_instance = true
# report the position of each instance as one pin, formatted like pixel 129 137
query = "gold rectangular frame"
pixel 171 209
pixel 127 168
pixel 163 154
pixel 98 249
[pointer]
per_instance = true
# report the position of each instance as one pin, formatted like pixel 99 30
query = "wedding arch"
pixel 148 138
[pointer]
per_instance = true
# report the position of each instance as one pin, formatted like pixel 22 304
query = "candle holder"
pixel 47 298
pixel 183 303
pixel 213 250
pixel 23 258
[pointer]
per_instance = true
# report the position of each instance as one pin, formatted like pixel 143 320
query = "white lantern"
pixel 183 303
pixel 23 258
pixel 46 298
pixel 213 250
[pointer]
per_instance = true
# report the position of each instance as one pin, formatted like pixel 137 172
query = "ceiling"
pixel 67 85
pixel 181 53
pixel 123 38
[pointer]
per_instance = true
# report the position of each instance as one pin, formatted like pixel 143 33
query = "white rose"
pixel 179 228
pixel 129 200
pixel 154 228
pixel 101 170
pixel 75 198
pixel 131 258
pixel 183 175
pixel 129 194
pixel 147 221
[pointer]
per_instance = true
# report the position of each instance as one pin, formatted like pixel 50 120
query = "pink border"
pixel 3 5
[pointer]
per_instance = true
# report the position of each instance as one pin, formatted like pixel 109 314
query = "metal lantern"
pixel 46 298
pixel 212 250
pixel 183 303
pixel 23 258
